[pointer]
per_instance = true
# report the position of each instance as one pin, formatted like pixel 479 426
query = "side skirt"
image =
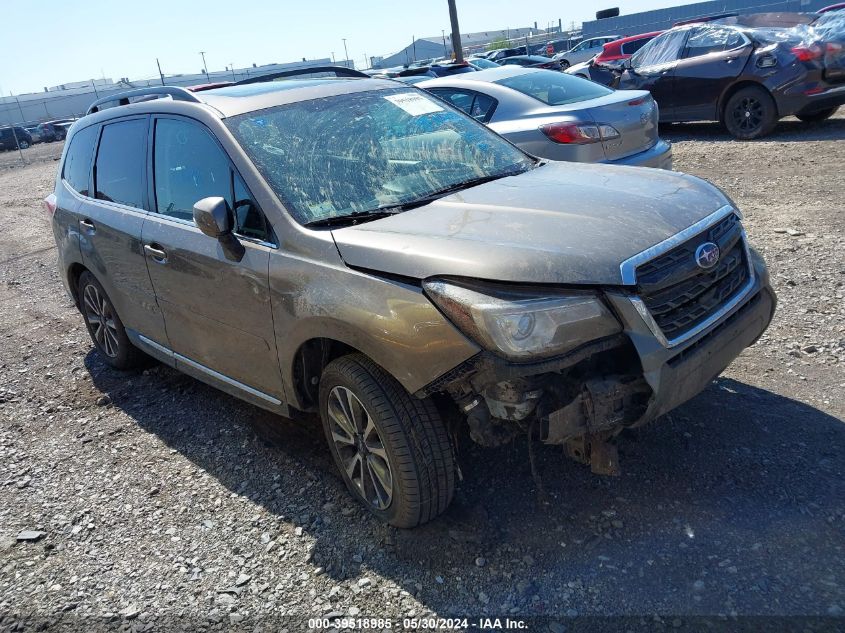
pixel 209 376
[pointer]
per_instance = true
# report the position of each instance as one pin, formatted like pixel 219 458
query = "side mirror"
pixel 214 218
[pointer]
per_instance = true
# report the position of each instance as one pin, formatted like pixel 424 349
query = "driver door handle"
pixel 157 253
pixel 88 226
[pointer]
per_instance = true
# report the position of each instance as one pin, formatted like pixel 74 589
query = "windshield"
pixel 554 88
pixel 361 152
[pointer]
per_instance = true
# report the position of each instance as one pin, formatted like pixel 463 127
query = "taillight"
pixel 807 53
pixel 50 205
pixel 639 101
pixel 579 133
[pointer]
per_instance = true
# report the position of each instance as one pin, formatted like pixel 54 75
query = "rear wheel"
pixel 105 327
pixel 750 113
pixel 392 449
pixel 564 64
pixel 815 117
pixel 23 144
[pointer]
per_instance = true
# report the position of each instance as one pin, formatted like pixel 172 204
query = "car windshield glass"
pixel 358 153
pixel 554 88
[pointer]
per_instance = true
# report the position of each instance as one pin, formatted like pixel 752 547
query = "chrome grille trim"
pixel 628 270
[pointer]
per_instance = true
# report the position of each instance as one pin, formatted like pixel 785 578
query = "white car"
pixel 580 70
pixel 583 51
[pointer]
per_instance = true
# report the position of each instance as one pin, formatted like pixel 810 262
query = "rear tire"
pixel 750 113
pixel 23 144
pixel 105 327
pixel 564 64
pixel 815 117
pixel 391 448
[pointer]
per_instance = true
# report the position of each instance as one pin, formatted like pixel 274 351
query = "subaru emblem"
pixel 707 255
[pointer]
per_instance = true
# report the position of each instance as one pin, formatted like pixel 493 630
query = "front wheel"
pixel 23 144
pixel 392 449
pixel 750 113
pixel 815 117
pixel 564 64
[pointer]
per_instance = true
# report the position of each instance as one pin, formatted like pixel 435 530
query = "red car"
pixel 614 52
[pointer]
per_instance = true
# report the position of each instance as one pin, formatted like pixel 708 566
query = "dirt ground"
pixel 165 501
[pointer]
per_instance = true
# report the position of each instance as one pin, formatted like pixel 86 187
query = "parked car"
pixel 34 134
pixel 555 46
pixel 360 249
pixel 14 137
pixel 445 69
pixel 745 77
pixel 503 53
pixel 613 54
pixel 481 63
pixel 556 116
pixel 531 61
pixel 584 50
pixel 52 131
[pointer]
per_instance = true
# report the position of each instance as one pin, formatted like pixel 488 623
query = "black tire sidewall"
pixel 770 116
pixel 333 378
pixel 127 354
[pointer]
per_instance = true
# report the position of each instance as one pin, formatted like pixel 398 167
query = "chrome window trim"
pixel 191 223
pixel 210 372
pixel 629 277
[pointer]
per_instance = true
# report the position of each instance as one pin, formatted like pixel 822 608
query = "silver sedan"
pixel 557 116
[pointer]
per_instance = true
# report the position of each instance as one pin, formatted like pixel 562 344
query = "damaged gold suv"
pixel 357 248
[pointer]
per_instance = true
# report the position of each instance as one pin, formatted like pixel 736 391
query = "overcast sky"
pixel 56 41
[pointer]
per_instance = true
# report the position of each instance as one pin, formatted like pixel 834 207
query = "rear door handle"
pixel 88 226
pixel 157 253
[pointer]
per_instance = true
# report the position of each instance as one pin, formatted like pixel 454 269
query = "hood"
pixel 561 223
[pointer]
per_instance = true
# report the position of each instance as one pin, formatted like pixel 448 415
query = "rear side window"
pixel 629 48
pixel 478 106
pixel 77 167
pixel 119 175
pixel 554 88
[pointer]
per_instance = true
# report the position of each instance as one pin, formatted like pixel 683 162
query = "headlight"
pixel 521 325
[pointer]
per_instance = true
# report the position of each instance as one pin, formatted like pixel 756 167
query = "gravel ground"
pixel 155 499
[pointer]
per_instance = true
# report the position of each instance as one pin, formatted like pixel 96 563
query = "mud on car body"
pixel 357 248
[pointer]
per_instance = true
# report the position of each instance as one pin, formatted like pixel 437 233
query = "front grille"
pixel 679 294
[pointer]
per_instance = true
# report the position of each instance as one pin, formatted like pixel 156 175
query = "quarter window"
pixel 119 175
pixel 77 167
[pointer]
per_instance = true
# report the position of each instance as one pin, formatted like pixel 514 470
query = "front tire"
pixel 105 327
pixel 564 64
pixel 750 113
pixel 392 449
pixel 23 144
pixel 815 117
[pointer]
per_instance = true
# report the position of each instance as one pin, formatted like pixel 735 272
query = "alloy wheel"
pixel 360 447
pixel 748 114
pixel 101 318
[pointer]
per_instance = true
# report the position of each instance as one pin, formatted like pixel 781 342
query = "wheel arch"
pixel 736 87
pixel 74 272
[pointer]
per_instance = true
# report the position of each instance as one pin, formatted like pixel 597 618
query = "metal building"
pixel 661 19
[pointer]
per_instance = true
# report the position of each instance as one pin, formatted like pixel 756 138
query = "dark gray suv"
pixel 357 248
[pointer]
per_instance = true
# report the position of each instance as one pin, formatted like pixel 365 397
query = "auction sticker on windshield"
pixel 414 104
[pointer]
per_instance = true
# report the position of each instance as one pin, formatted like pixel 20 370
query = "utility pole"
pixel 232 68
pixel 14 131
pixel 94 86
pixel 456 32
pixel 333 60
pixel 160 74
pixel 20 109
pixel 205 67
pixel 345 52
pixel 445 51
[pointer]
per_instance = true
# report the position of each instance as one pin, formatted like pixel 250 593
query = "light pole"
pixel 205 67
pixel 345 52
pixel 443 33
pixel 333 61
pixel 232 68
pixel 456 32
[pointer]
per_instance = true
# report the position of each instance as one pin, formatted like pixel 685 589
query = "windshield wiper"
pixel 440 193
pixel 351 218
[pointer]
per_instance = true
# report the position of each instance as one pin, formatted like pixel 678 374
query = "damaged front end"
pixel 580 400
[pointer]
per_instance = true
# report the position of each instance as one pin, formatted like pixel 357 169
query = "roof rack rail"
pixel 123 98
pixel 339 71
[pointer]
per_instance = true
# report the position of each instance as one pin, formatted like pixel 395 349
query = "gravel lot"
pixel 160 501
